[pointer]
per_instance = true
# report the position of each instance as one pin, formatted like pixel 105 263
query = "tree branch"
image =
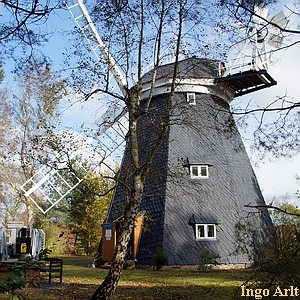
pixel 273 207
pixel 268 21
pixel 267 109
pixel 34 11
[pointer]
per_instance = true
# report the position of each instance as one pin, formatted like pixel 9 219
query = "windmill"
pixel 212 178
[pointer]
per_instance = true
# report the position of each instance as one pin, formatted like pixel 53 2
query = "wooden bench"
pixel 54 268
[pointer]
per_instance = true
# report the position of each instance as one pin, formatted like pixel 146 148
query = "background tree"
pixel 277 262
pixel 89 205
pixel 1 73
pixel 8 207
pixel 29 113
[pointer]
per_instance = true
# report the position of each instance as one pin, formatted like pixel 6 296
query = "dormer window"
pixel 204 225
pixel 199 171
pixel 206 231
pixel 191 98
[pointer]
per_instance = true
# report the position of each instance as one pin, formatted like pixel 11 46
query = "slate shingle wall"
pixel 153 202
pixel 210 137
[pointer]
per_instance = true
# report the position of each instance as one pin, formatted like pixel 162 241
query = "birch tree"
pixel 31 111
pixel 141 33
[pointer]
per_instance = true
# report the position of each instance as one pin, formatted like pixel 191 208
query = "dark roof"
pixel 204 218
pixel 189 68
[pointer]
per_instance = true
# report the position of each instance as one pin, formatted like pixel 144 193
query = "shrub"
pixel 16 280
pixel 55 237
pixel 160 259
pixel 276 262
pixel 207 259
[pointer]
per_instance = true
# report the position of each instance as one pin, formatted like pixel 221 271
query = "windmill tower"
pixel 201 176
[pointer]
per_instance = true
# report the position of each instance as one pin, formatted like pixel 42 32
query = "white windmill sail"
pixel 50 184
pixel 275 40
pixel 260 33
pixel 83 21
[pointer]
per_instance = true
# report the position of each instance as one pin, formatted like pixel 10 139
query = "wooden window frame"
pixel 189 96
pixel 201 174
pixel 206 232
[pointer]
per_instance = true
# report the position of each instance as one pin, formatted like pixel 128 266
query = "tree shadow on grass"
pixel 194 292
pixel 131 291
pixel 145 284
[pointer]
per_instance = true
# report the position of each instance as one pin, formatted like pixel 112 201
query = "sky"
pixel 276 177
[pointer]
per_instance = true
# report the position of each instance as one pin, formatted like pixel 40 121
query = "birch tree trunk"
pixel 110 283
pixel 139 172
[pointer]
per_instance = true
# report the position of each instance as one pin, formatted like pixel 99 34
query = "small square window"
pixel 205 231
pixel 191 98
pixel 199 171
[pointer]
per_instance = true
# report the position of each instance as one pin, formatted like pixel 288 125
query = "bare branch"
pixel 268 21
pixel 34 11
pixel 273 207
pixel 263 109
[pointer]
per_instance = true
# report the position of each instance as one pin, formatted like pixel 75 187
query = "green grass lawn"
pixel 80 282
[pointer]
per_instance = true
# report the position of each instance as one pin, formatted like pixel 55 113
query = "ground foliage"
pixel 79 283
pixel 160 259
pixel 276 263
pixel 207 260
pixel 15 280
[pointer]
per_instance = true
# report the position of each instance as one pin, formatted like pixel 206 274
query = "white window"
pixel 206 231
pixel 199 171
pixel 191 98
